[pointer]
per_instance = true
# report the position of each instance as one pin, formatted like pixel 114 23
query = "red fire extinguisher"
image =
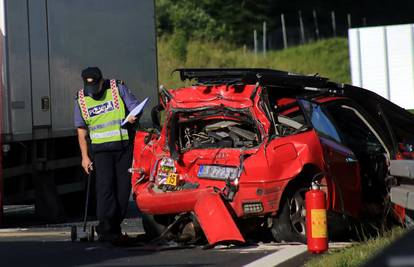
pixel 316 223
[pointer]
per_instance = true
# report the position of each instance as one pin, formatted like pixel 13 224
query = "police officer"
pixel 100 107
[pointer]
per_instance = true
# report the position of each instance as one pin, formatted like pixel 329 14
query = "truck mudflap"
pixel 207 204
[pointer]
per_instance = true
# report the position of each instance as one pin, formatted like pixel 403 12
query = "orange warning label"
pixel 318 219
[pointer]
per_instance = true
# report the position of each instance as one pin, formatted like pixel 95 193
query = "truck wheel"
pixel 289 224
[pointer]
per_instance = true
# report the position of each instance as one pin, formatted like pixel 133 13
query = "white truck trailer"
pixel 44 45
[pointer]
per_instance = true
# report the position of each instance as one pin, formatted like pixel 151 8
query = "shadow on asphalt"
pixel 66 253
pixel 24 216
pixel 49 253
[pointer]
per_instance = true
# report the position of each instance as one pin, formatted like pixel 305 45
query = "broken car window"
pixel 355 132
pixel 320 121
pixel 216 128
pixel 289 117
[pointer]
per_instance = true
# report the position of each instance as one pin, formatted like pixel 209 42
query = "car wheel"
pixel 289 224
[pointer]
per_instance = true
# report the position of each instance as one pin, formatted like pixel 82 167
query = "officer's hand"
pixel 132 119
pixel 87 164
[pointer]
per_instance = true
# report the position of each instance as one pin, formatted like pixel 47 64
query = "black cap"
pixel 91 77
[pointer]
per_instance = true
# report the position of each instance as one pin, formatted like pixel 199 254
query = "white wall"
pixel 382 60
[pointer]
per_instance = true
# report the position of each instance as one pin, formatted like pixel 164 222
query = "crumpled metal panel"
pixel 208 206
pixel 215 220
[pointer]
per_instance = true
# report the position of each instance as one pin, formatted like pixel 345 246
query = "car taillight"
pixel 166 167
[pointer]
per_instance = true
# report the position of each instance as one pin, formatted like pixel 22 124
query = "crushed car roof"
pixel 265 77
pixel 235 96
pixel 400 120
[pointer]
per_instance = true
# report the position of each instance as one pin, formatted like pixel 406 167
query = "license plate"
pixel 218 172
pixel 172 179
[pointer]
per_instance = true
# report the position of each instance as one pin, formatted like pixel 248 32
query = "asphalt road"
pixel 56 250
pixel 49 245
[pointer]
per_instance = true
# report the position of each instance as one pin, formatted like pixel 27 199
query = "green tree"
pixel 178 45
pixel 229 20
pixel 235 20
pixel 188 17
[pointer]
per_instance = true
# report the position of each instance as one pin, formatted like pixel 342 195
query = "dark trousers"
pixel 113 186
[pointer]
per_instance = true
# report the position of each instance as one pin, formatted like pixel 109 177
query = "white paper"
pixel 138 109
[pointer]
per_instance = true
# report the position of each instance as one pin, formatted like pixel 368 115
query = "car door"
pixel 340 161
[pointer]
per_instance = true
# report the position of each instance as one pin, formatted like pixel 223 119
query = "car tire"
pixel 289 224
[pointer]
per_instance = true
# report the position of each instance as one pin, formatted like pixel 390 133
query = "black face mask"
pixel 93 90
pixel 98 95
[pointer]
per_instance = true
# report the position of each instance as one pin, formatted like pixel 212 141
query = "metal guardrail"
pixel 403 194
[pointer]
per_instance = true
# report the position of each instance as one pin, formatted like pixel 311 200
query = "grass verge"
pixel 357 254
pixel 327 57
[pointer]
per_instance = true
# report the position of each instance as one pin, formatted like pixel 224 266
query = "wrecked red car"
pixel 239 149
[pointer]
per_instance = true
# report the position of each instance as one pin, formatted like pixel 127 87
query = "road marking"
pixel 12 230
pixel 279 256
pixel 18 233
pixel 257 247
pixel 30 234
